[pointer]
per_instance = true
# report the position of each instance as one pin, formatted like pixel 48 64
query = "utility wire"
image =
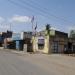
pixel 43 10
pixel 28 8
pixel 24 7
pixel 38 4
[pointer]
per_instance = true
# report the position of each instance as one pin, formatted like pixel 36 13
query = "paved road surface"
pixel 35 64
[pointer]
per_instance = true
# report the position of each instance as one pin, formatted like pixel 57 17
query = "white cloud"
pixel 71 27
pixel 2 19
pixel 20 19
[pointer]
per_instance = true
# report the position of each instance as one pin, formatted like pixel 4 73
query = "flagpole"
pixel 32 27
pixel 32 21
pixel 35 29
pixel 35 32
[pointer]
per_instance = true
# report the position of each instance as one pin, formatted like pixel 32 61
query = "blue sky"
pixel 59 13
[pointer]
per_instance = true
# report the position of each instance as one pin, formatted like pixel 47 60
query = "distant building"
pixel 4 36
pixel 21 36
pixel 53 42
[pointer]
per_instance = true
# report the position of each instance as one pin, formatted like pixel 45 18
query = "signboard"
pixel 16 36
pixel 41 40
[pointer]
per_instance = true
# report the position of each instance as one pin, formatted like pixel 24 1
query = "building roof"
pixel 53 33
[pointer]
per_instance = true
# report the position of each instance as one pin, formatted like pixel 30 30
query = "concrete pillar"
pixel 47 45
pixel 5 43
pixel 35 44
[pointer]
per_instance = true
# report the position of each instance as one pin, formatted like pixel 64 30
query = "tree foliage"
pixel 72 33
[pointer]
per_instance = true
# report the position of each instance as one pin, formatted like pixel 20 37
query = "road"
pixel 35 64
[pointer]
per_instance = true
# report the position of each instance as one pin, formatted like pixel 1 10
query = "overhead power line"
pixel 42 11
pixel 28 8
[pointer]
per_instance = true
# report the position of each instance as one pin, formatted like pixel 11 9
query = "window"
pixel 55 47
pixel 40 44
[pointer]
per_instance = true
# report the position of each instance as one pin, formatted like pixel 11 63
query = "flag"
pixel 36 26
pixel 32 20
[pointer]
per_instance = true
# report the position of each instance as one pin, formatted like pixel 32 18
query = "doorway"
pixel 55 47
pixel 70 47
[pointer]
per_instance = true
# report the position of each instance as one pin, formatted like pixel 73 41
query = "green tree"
pixel 48 28
pixel 72 33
